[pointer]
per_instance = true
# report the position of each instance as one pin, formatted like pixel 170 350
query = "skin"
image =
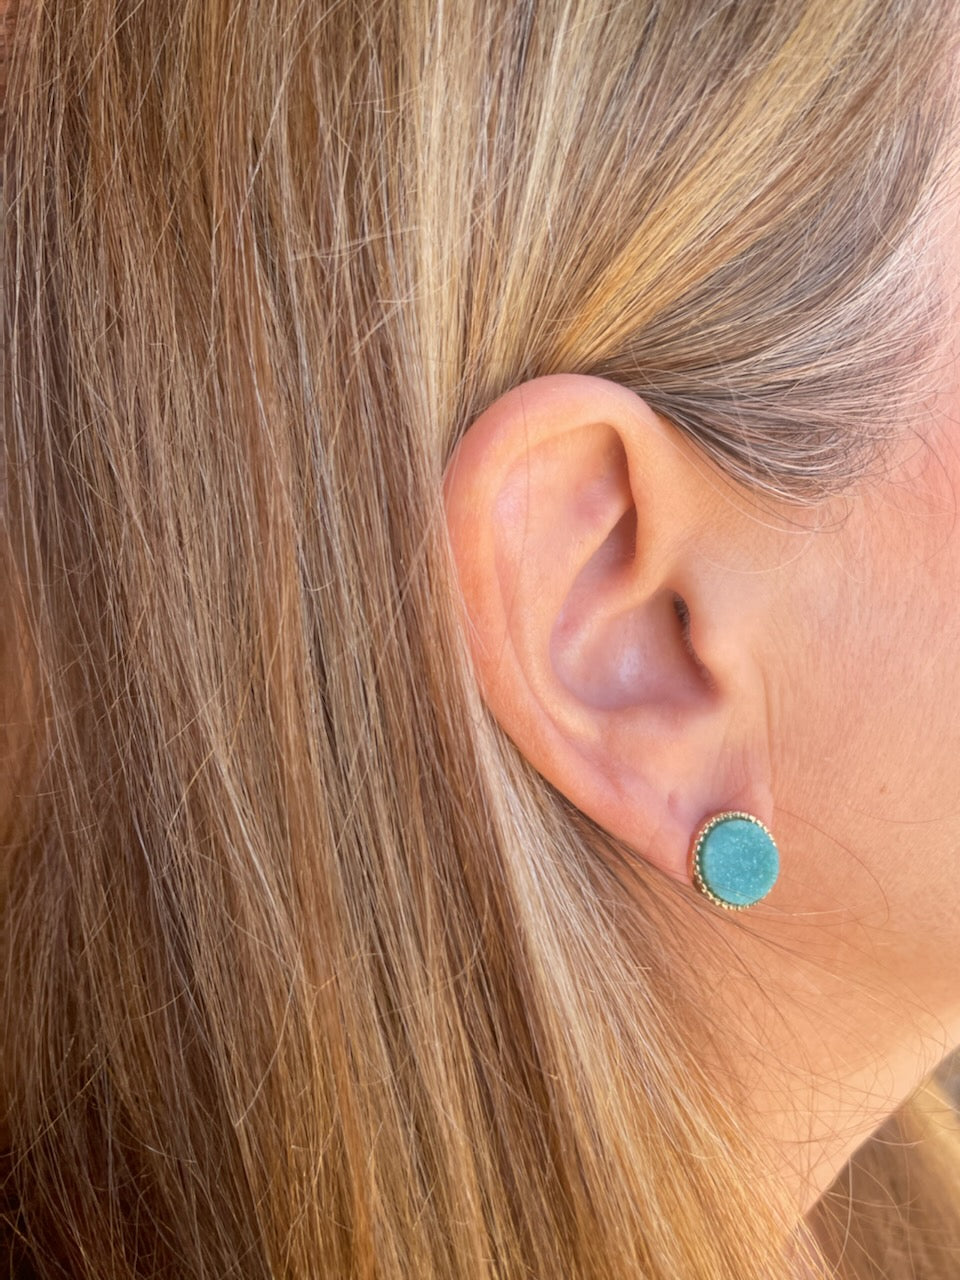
pixel 821 698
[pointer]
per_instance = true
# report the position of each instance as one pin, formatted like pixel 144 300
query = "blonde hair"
pixel 307 971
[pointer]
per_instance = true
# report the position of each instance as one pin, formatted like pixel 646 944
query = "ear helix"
pixel 735 859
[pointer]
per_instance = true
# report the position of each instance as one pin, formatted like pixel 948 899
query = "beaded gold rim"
pixel 701 834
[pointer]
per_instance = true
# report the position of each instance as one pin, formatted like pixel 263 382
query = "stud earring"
pixel 735 859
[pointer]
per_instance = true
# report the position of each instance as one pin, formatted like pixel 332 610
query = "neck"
pixel 827 1052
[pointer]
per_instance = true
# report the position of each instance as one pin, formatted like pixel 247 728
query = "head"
pixel 448 455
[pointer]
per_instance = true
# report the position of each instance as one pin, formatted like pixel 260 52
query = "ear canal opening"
pixel 683 613
pixel 682 610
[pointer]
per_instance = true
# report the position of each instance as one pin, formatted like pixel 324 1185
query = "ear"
pixel 613 609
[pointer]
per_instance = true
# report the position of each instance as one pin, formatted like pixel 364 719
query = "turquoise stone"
pixel 737 861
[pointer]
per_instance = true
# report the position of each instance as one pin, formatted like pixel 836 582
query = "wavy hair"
pixel 306 971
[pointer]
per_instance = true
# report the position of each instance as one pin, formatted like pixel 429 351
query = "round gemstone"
pixel 737 860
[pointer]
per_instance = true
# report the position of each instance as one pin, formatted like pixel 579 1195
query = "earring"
pixel 735 859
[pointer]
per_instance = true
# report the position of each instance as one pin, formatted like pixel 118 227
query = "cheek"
pixel 901 631
pixel 873 735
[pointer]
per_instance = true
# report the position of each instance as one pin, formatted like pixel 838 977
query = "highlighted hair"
pixel 306 971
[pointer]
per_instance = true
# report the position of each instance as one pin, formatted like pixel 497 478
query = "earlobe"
pixel 588 539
